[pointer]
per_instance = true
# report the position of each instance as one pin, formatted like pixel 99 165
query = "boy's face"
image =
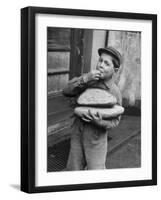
pixel 105 66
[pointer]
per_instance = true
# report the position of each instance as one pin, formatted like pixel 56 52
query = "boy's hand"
pixel 95 119
pixel 93 76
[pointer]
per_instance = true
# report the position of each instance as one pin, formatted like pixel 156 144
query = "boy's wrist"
pixel 86 78
pixel 83 80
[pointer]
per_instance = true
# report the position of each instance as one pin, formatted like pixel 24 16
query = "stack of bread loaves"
pixel 98 100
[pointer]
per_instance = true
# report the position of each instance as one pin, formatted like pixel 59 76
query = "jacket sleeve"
pixel 75 86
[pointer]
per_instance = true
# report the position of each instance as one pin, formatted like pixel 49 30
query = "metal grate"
pixel 58 156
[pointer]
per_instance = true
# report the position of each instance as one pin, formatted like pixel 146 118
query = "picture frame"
pixel 30 28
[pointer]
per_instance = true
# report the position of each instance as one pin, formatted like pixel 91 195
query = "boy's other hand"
pixel 93 76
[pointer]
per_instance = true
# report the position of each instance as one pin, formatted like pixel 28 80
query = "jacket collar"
pixel 103 85
pixel 108 84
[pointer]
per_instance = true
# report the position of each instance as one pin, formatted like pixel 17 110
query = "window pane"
pixel 58 61
pixel 58 38
pixel 57 82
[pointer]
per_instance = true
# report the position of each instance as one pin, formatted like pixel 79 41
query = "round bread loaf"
pixel 96 97
pixel 104 112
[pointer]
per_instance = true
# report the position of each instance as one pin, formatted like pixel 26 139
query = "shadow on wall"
pixel 134 110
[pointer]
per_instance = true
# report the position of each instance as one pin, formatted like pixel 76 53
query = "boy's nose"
pixel 101 65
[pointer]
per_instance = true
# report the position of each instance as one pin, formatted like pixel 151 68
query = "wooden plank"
pixel 59 103
pixel 51 72
pixel 60 126
pixel 57 82
pixel 59 137
pixel 56 117
pixel 58 61
pixel 58 38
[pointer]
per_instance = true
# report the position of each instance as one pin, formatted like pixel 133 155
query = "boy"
pixel 89 133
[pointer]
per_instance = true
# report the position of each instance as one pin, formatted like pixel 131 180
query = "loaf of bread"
pixel 104 112
pixel 96 97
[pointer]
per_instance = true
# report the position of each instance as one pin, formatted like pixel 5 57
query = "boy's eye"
pixel 106 63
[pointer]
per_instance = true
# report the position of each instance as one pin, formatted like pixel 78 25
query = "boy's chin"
pixel 101 78
pixel 105 78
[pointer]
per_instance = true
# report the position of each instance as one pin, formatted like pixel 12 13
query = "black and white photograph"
pixel 94 99
pixel 89 91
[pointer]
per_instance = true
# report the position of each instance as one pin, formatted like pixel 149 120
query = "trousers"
pixel 88 147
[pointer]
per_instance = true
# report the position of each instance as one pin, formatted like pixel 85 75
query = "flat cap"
pixel 111 51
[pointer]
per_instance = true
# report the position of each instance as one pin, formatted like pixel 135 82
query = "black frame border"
pixel 28 98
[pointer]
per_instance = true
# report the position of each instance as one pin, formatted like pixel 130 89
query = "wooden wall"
pixel 129 76
pixel 58 61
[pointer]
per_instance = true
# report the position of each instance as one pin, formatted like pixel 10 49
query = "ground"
pixel 127 156
pixel 124 149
